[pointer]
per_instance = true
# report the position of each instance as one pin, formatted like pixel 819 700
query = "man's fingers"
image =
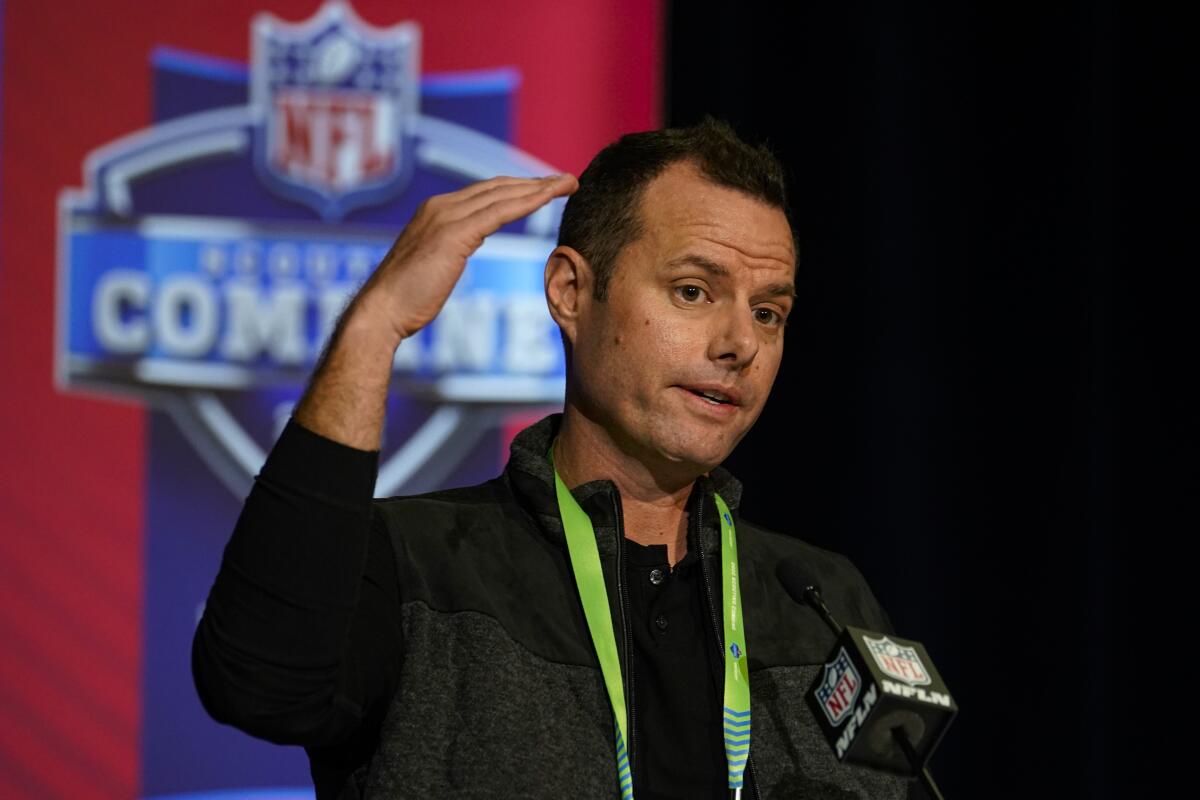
pixel 479 216
pixel 468 196
pixel 552 185
pixel 474 213
pixel 488 219
pixel 471 190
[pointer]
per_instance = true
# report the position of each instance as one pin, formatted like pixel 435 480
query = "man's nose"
pixel 734 341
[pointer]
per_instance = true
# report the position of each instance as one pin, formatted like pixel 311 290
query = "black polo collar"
pixel 532 480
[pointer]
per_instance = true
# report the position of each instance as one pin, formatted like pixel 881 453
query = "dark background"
pixel 981 399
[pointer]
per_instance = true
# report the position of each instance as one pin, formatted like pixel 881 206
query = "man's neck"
pixel 653 505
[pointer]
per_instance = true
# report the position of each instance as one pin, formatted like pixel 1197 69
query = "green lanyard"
pixel 589 578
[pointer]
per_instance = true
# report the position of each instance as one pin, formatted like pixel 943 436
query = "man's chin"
pixel 695 457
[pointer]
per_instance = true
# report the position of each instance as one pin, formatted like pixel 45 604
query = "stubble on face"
pixel 636 352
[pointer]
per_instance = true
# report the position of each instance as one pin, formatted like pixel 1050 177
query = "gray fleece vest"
pixel 500 693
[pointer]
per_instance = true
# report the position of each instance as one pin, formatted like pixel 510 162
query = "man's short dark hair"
pixel 601 217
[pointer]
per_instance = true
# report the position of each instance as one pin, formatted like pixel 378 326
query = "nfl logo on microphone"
pixel 898 661
pixel 839 688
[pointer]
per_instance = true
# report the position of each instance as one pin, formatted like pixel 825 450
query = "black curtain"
pixel 981 399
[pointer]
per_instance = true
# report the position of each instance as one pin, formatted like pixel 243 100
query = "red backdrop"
pixel 76 75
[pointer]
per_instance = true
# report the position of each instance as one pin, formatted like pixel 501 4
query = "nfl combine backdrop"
pixel 190 199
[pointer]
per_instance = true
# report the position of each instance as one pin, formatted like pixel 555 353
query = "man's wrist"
pixel 368 330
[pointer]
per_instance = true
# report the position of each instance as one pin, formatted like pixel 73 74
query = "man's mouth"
pixel 714 396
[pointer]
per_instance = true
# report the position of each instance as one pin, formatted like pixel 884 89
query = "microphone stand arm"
pixel 920 769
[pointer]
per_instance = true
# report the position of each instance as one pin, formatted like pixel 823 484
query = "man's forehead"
pixel 683 210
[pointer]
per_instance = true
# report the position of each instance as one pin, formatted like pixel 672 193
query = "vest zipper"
pixel 626 637
pixel 716 621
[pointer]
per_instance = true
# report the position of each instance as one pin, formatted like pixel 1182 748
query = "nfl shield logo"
pixel 838 688
pixel 899 662
pixel 337 100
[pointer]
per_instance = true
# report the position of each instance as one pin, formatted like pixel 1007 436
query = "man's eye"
pixel 769 316
pixel 689 292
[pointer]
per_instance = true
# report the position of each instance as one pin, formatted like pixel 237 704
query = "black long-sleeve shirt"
pixel 301 639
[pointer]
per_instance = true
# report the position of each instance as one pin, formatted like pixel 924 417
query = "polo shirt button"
pixel 656 576
pixel 661 622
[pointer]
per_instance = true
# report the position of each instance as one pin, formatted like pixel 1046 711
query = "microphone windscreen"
pixel 796 579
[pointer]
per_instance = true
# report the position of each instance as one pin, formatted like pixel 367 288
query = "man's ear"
pixel 568 282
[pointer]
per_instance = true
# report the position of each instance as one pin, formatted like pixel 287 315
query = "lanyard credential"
pixel 589 578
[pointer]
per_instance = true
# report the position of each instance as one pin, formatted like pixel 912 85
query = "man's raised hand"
pixel 347 395
pixel 410 286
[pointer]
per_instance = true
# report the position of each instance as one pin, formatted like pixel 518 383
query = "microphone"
pixel 879 701
pixel 799 583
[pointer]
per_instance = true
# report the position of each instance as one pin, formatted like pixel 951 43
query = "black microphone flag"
pixel 872 684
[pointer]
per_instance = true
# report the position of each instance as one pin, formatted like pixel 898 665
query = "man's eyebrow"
pixel 780 290
pixel 713 268
pixel 708 265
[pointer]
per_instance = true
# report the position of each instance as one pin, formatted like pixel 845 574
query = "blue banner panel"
pixel 204 267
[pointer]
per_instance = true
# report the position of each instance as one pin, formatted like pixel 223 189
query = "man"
pixel 451 644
